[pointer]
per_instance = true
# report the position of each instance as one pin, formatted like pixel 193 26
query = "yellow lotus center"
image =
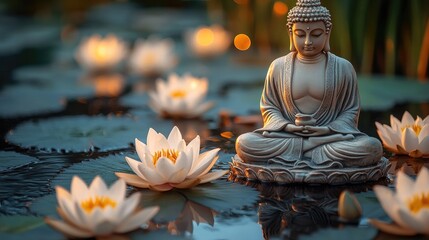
pixel 416 128
pixel 418 202
pixel 178 94
pixel 171 154
pixel 98 201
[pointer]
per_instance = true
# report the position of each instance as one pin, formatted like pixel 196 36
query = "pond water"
pixel 57 121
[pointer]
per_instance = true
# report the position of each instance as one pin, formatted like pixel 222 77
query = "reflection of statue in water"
pixel 310 105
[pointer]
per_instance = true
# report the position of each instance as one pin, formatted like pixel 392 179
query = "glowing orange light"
pixel 204 36
pixel 101 52
pixel 227 134
pixel 280 8
pixel 242 42
pixel 108 85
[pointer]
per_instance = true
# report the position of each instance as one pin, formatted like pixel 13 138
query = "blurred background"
pixel 379 37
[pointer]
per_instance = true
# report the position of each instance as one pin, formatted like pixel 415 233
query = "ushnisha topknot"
pixel 309 11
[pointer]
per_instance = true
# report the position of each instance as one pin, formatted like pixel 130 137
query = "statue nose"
pixel 307 41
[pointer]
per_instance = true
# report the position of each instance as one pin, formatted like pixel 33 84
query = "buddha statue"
pixel 309 104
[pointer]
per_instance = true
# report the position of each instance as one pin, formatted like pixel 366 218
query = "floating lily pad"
pixel 218 195
pixel 20 101
pixel 135 100
pixel 382 92
pixel 80 133
pixel 14 159
pixel 17 223
pixel 346 233
pixel 66 82
pixel 104 167
pixel 26 227
pixel 28 36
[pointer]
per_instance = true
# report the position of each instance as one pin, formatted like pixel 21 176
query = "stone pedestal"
pixel 332 176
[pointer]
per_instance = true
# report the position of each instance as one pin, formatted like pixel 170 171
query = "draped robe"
pixel 339 111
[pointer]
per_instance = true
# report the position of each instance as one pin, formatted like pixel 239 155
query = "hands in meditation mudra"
pixel 310 107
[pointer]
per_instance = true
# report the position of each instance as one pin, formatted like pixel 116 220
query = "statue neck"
pixel 311 60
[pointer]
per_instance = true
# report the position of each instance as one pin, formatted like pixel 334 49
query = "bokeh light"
pixel 280 8
pixel 242 42
pixel 204 36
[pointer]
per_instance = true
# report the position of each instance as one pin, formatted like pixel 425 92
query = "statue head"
pixel 303 19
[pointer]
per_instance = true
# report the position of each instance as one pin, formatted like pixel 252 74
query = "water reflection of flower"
pixel 153 57
pixel 192 212
pixel 408 207
pixel 407 136
pixel 98 53
pixel 98 210
pixel 167 163
pixel 106 85
pixel 180 97
pixel 208 42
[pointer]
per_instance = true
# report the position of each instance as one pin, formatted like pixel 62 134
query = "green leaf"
pixel 105 167
pixel 26 227
pixel 80 133
pixel 18 223
pixel 14 159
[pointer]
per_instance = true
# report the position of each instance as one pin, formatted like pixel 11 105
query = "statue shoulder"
pixel 342 63
pixel 279 63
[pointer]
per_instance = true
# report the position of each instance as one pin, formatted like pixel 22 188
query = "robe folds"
pixel 339 111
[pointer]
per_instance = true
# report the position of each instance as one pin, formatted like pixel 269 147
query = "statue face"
pixel 309 38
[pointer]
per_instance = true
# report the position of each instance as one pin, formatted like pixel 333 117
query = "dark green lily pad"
pixel 135 100
pixel 65 82
pixel 80 133
pixel 18 223
pixel 20 101
pixel 218 195
pixel 14 159
pixel 382 92
pixel 105 167
pixel 26 227
pixel 346 233
pixel 28 36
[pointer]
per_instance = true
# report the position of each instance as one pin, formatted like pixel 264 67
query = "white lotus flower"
pixel 408 136
pixel 208 41
pixel 408 207
pixel 98 210
pixel 153 57
pixel 167 163
pixel 97 53
pixel 180 97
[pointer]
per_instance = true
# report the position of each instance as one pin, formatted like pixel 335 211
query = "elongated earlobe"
pixel 292 45
pixel 327 47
